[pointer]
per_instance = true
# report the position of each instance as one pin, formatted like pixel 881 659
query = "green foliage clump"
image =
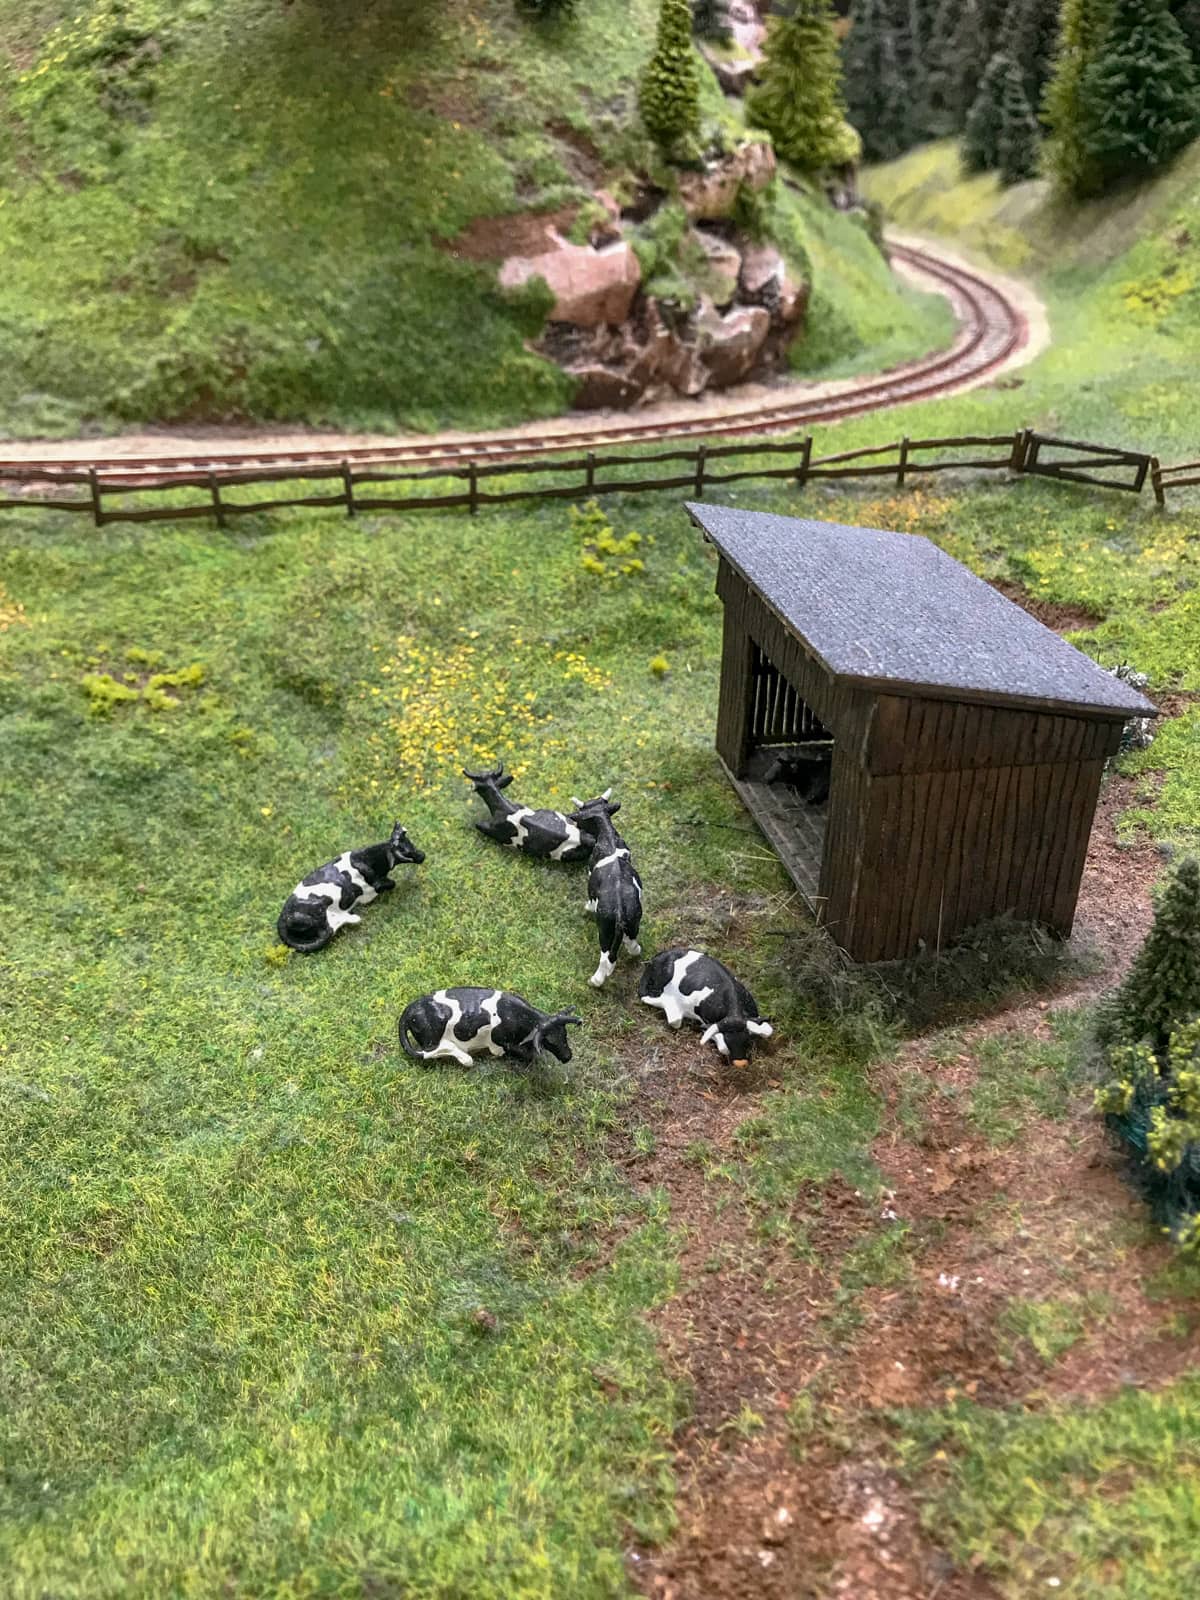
pixel 1139 101
pixel 669 95
pixel 799 97
pixel 883 102
pixel 1001 129
pixel 106 692
pixel 605 554
pixel 1162 987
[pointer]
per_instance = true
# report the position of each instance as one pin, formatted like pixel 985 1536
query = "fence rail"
pixel 1021 452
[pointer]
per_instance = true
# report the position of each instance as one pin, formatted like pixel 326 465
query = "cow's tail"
pixel 306 947
pixel 406 1043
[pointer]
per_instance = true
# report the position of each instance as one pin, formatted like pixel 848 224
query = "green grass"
pixel 243 210
pixel 1099 1502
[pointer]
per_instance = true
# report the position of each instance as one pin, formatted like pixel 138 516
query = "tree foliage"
pixel 882 101
pixel 1001 129
pixel 964 37
pixel 669 97
pixel 1081 30
pixel 1187 15
pixel 1139 102
pixel 1032 42
pixel 1162 987
pixel 546 10
pixel 798 99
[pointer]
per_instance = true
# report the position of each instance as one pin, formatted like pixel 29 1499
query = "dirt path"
pixel 743 400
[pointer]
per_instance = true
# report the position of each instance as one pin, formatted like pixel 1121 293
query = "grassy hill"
pixel 242 209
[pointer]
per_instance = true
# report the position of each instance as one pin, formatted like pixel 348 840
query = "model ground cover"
pixel 237 210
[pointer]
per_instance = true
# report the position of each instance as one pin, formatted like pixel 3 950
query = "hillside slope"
pixel 243 209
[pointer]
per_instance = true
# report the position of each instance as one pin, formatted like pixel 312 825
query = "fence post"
pixel 701 452
pixel 215 491
pixel 348 485
pixel 901 468
pixel 473 485
pixel 94 480
pixel 805 462
pixel 1017 459
pixel 591 470
pixel 1156 480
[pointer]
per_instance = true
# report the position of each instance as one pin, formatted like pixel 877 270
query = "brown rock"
pixel 712 193
pixel 601 388
pixel 765 281
pixel 661 361
pixel 590 287
pixel 730 345
pixel 722 267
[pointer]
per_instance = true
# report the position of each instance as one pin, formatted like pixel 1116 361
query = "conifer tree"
pixel 1020 141
pixel 669 96
pixel 1187 15
pixel 1139 100
pixel 710 20
pixel 965 37
pixel 985 120
pixel 1033 33
pixel 1162 987
pixel 799 97
pixel 879 100
pixel 1081 28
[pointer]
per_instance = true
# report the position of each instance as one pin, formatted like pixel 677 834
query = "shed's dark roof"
pixel 894 611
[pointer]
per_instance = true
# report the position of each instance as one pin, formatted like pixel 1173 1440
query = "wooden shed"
pixel 967 740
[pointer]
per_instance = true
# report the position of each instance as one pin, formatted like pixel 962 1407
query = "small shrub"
pixel 604 554
pixel 1152 1104
pixel 1162 987
pixel 669 96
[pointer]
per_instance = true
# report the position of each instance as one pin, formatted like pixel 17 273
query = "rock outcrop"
pixel 736 63
pixel 590 287
pixel 711 194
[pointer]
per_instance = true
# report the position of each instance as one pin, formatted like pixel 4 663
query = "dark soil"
pixel 785 1488
pixel 523 233
pixel 1062 618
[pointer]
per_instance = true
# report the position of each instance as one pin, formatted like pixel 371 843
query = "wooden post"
pixel 348 485
pixel 1017 459
pixel 1156 483
pixel 900 470
pixel 591 470
pixel 701 452
pixel 94 480
pixel 805 462
pixel 215 490
pixel 473 485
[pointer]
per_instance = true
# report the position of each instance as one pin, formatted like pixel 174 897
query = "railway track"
pixel 991 329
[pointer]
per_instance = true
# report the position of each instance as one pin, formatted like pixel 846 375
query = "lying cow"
pixel 548 834
pixel 808 772
pixel 323 902
pixel 614 888
pixel 462 1023
pixel 688 986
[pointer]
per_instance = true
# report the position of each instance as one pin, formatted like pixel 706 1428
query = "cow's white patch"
pixel 331 893
pixel 674 1004
pixel 590 905
pixel 491 1010
pixel 763 1029
pixel 607 861
pixel 365 891
pixel 448 1045
pixel 517 818
pixel 571 842
pixel 632 947
pixel 603 971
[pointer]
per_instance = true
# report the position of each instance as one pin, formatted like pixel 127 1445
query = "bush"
pixel 1162 987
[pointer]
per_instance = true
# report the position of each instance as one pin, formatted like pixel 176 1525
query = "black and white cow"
pixel 325 900
pixel 806 771
pixel 548 834
pixel 464 1022
pixel 614 888
pixel 688 986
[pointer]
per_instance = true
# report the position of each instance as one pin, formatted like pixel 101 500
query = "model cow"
pixel 614 888
pixel 808 771
pixel 548 834
pixel 465 1022
pixel 326 900
pixel 688 986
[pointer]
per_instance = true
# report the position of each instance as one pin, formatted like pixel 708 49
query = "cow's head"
pixel 401 850
pixel 734 1037
pixel 551 1034
pixel 589 815
pixel 497 778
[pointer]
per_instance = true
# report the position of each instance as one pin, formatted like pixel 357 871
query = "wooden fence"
pixel 696 470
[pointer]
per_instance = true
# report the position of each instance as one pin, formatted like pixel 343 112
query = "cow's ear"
pixel 758 1026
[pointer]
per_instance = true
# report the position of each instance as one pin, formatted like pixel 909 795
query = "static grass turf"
pixel 237 209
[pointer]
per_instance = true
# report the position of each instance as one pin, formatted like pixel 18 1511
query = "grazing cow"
pixel 687 985
pixel 461 1023
pixel 806 771
pixel 614 888
pixel 321 904
pixel 548 834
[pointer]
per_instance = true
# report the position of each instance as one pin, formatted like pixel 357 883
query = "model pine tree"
pixel 1020 140
pixel 1187 15
pixel 1033 34
pixel 1139 103
pixel 981 137
pixel 669 98
pixel 965 37
pixel 799 96
pixel 1162 987
pixel 1081 29
pixel 878 98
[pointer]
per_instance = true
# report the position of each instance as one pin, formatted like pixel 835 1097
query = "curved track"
pixel 991 329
